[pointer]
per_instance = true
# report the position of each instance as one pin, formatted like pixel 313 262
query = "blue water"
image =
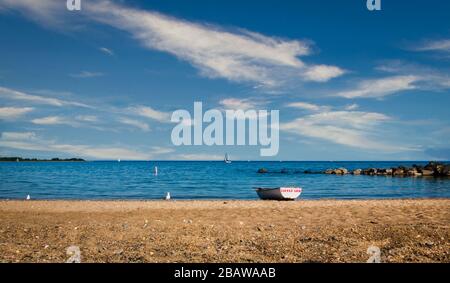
pixel 204 180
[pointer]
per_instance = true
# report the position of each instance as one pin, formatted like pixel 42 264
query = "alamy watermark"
pixel 227 130
pixel 373 5
pixel 73 5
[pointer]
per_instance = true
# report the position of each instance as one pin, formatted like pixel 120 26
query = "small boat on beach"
pixel 280 193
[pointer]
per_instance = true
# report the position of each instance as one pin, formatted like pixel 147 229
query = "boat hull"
pixel 282 193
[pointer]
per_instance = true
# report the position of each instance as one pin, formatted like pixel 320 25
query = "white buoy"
pixel 156 170
pixel 167 196
pixel 28 197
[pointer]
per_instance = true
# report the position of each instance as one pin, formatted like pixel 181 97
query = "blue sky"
pixel 101 83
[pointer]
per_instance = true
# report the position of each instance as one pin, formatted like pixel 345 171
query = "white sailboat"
pixel 227 160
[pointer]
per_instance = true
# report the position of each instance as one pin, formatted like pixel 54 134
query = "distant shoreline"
pixel 56 159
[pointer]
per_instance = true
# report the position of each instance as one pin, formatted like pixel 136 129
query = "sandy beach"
pixel 226 231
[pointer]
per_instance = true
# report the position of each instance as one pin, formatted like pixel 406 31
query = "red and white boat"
pixel 280 193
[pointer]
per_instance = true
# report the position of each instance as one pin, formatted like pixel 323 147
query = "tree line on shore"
pixel 20 159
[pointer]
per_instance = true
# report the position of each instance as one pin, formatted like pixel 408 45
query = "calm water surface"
pixel 204 180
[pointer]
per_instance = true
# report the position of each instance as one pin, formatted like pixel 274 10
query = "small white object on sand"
pixel 75 254
pixel 167 196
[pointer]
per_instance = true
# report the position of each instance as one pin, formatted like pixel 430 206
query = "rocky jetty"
pixel 432 169
pixel 435 169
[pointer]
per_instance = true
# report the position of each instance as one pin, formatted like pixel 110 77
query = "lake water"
pixel 205 180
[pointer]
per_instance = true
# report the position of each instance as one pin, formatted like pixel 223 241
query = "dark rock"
pixel 426 172
pixel 263 170
pixel 338 171
pixel 431 169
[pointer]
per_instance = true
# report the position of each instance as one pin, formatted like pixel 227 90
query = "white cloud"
pixel 148 112
pixel 237 55
pixel 53 120
pixel 442 45
pixel 427 78
pixel 354 119
pixel 135 123
pixel 161 150
pixel 198 156
pixel 353 106
pixel 11 113
pixel 239 104
pixel 18 135
pixel 376 88
pixel 307 106
pixel 86 121
pixel 18 95
pixel 107 51
pixel 29 141
pixel 322 73
pixel 350 128
pixel 86 75
pixel 42 11
pixel 87 118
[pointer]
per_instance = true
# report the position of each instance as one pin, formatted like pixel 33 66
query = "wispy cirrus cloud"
pixel 197 156
pixel 79 121
pixel 353 106
pixel 240 103
pixel 11 113
pixel 214 51
pixel 150 113
pixel 322 73
pixel 356 129
pixel 87 118
pixel 44 11
pixel 428 78
pixel 234 54
pixel 11 94
pixel 86 75
pixel 107 51
pixel 54 120
pixel 307 106
pixel 377 88
pixel 30 141
pixel 135 123
pixel 158 150
pixel 18 135
pixel 440 45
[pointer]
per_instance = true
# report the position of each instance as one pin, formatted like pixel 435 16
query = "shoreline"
pixel 405 230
